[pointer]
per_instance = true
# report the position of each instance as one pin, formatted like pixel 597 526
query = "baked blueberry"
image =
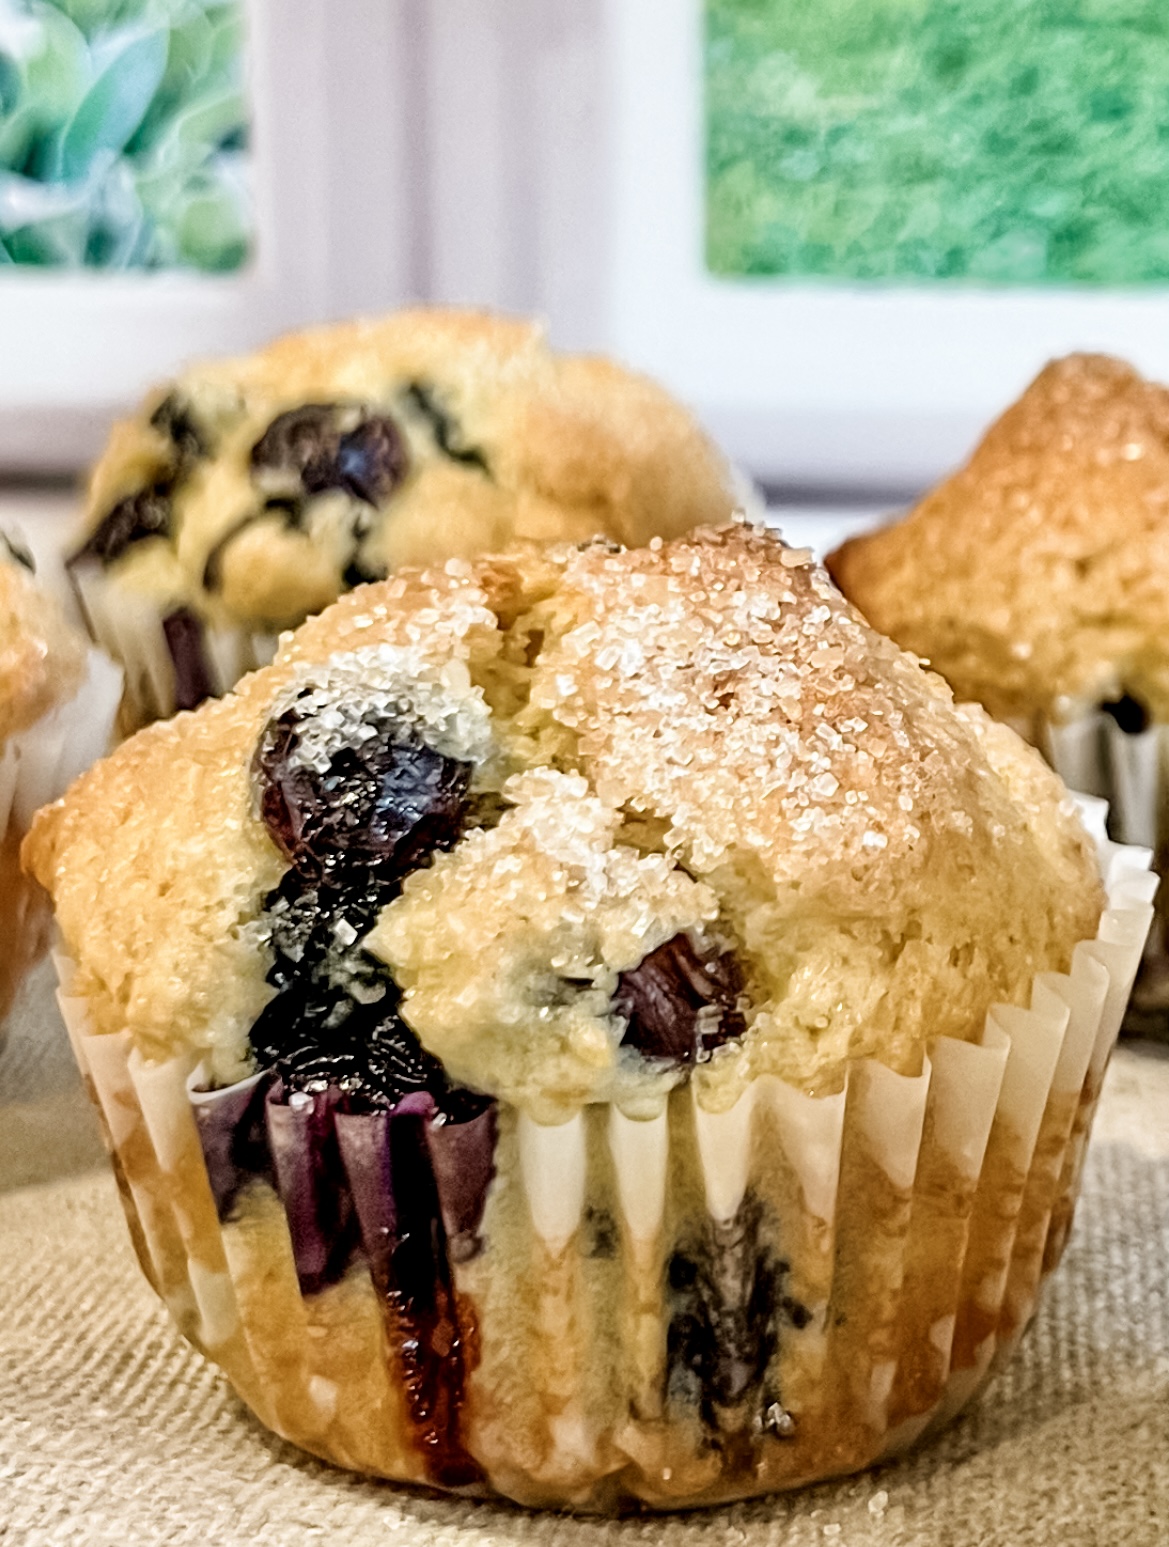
pixel 133 519
pixel 384 800
pixel 680 1005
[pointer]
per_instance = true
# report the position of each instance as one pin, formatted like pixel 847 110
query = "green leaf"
pixel 208 121
pixel 187 75
pixel 17 133
pixel 211 231
pixel 11 84
pixel 55 242
pixel 60 73
pixel 26 202
pixel 115 104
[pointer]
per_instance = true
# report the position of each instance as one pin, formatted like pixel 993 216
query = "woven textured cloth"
pixel 114 1432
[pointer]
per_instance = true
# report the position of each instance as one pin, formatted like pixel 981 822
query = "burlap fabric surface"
pixel 114 1432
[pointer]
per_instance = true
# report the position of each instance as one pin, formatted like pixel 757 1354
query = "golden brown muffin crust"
pixel 546 447
pixel 1039 572
pixel 886 866
pixel 41 657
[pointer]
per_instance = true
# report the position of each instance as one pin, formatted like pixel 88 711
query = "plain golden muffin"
pixel 249 493
pixel 42 663
pixel 1036 578
pixel 430 980
pixel 42 659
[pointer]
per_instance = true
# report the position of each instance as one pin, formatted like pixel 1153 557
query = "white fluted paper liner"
pixel 1127 772
pixel 883 1245
pixel 36 766
pixel 39 764
pixel 129 627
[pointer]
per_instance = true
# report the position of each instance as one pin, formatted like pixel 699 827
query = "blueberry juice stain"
pixel 354 817
pixel 729 1306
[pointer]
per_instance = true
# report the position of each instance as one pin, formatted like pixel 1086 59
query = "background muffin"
pixel 249 493
pixel 543 1023
pixel 56 706
pixel 1036 581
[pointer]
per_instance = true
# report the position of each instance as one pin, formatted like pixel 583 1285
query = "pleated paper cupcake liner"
pixel 1091 752
pixel 35 767
pixel 676 1309
pixel 172 661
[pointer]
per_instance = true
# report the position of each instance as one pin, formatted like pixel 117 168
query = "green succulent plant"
pixel 123 134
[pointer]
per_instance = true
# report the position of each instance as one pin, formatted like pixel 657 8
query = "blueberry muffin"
pixel 56 707
pixel 249 493
pixel 546 1023
pixel 1036 581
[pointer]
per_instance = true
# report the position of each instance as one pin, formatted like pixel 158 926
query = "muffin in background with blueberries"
pixel 57 704
pixel 593 1025
pixel 1035 579
pixel 249 493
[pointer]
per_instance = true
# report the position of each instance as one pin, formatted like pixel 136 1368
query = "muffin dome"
pixel 1036 578
pixel 249 493
pixel 42 659
pixel 612 793
pixel 57 701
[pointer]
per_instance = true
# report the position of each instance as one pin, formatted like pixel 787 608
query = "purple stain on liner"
pixel 184 642
pixel 234 1136
pixel 363 1139
pixel 387 1158
pixel 311 1182
pixel 463 1158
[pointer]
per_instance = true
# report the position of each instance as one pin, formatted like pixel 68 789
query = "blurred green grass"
pixel 995 141
pixel 123 134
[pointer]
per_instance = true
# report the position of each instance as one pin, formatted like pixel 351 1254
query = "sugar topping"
pixel 353 695
pixel 717 749
pixel 746 703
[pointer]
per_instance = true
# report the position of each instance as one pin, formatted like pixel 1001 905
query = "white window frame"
pixel 332 92
pixel 813 383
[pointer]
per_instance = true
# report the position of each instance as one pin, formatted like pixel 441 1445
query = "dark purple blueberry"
pixel 184 642
pixel 388 802
pixel 371 461
pixel 174 419
pixel 132 520
pixel 334 1021
pixel 317 1036
pixel 664 997
pixel 1130 714
pixel 360 572
pixel 325 446
pixel 448 437
pixel 301 439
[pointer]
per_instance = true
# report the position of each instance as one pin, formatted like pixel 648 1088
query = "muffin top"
pixel 254 491
pixel 42 659
pixel 570 825
pixel 1036 578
